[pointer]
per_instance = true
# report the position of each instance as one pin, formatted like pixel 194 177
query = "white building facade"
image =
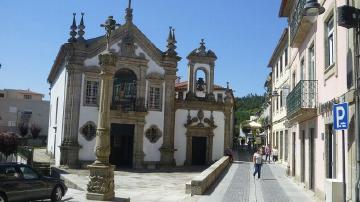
pixel 151 124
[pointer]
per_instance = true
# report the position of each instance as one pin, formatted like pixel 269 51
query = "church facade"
pixel 155 119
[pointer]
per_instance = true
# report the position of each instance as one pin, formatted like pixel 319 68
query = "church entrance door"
pixel 122 145
pixel 199 151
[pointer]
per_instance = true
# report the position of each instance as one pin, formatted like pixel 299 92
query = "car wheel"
pixel 3 198
pixel 57 194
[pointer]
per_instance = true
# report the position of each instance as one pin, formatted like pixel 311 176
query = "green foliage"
pixel 8 143
pixel 248 106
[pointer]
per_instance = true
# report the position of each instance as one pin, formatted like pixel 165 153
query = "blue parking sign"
pixel 341 113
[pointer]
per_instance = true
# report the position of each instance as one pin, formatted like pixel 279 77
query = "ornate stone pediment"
pixel 200 120
pixel 155 76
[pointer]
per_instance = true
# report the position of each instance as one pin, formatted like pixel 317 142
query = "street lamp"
pixel 313 8
pixel 349 17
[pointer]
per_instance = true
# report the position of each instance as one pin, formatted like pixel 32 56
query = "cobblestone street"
pixel 238 184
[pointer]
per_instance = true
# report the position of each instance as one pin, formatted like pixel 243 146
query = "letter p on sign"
pixel 340 113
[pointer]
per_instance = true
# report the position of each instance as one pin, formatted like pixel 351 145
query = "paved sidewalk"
pixel 238 184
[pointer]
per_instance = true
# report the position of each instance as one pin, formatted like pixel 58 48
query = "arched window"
pixel 201 79
pixel 124 89
pixel 153 134
pixel 88 130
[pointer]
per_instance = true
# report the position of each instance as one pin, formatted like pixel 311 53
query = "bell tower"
pixel 201 74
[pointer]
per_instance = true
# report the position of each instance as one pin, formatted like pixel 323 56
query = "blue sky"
pixel 242 33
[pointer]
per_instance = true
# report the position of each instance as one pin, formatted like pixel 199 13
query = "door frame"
pixel 302 155
pixel 294 153
pixel 194 131
pixel 311 158
pixel 206 142
pixel 133 141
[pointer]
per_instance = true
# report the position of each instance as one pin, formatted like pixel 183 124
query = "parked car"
pixel 19 182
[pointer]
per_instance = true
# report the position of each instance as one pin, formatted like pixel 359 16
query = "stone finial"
pixel 173 35
pixel 73 30
pixel 109 25
pixel 202 47
pixel 81 28
pixel 227 86
pixel 171 41
pixel 170 37
pixel 129 11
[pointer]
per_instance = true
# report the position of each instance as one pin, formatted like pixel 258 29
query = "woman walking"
pixel 257 160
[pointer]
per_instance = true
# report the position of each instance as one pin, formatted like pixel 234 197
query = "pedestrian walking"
pixel 267 152
pixel 275 154
pixel 257 160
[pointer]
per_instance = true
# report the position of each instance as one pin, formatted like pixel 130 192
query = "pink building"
pixel 320 68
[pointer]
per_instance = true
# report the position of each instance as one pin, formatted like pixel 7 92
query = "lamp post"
pixel 101 184
pixel 313 8
pixel 349 17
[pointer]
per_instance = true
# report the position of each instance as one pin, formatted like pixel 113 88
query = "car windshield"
pixel 28 173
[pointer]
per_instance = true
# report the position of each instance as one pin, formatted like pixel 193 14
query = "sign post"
pixel 341 122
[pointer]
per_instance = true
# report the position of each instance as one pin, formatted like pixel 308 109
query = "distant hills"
pixel 247 106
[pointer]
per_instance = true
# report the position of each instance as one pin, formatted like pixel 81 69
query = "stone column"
pixel 101 184
pixel 167 149
pixel 191 86
pixel 139 141
pixel 70 146
pixel 212 69
pixel 210 148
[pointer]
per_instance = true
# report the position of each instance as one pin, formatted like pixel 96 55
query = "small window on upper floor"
pixel 91 92
pixel 2 95
pixel 154 102
pixel 329 42
pixel 27 97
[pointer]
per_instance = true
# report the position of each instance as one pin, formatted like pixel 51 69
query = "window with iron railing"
pixel 303 96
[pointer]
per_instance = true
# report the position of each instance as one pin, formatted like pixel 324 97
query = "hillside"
pixel 248 106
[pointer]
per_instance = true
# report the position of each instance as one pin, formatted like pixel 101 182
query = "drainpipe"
pixel 357 108
pixel 357 115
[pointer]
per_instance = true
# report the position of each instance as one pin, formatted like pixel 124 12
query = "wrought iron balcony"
pixel 299 24
pixel 130 105
pixel 302 101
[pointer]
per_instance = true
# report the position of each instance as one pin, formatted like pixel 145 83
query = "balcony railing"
pixel 303 97
pixel 130 105
pixel 299 25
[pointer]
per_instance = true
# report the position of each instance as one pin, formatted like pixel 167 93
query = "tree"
pixel 23 129
pixel 35 130
pixel 8 143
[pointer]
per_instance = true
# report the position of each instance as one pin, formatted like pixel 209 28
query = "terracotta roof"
pixel 184 85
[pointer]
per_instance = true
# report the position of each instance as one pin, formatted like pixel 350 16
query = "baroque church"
pixel 155 119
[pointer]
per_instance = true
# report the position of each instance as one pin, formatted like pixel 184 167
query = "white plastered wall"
pixel 180 134
pixel 55 131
